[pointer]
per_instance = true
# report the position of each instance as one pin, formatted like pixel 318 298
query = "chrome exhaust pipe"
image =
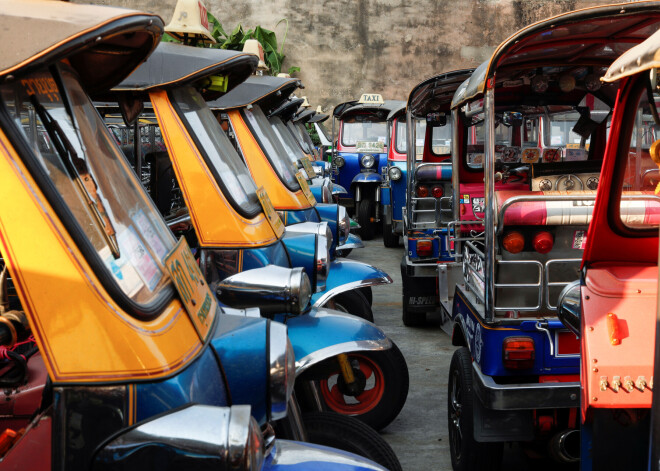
pixel 565 446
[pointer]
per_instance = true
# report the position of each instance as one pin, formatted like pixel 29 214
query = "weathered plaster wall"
pixel 347 47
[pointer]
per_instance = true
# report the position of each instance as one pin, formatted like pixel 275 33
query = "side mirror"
pixel 568 307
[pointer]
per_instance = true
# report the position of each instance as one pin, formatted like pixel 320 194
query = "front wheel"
pixel 380 389
pixel 348 434
pixel 352 302
pixel 366 211
pixel 390 239
pixel 466 453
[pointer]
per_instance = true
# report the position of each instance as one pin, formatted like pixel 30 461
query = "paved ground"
pixel 419 434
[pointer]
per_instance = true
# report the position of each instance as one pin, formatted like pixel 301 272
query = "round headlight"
pixel 339 161
pixel 322 266
pixel 395 173
pixel 282 371
pixel 368 161
pixel 301 290
pixel 344 224
pixel 326 191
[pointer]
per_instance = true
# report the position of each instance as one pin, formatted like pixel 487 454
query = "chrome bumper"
pixel 524 396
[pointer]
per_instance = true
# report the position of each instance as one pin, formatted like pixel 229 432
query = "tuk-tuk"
pixel 115 353
pixel 234 228
pixel 393 189
pixel 421 192
pixel 515 376
pixel 612 307
pixel 253 113
pixel 360 156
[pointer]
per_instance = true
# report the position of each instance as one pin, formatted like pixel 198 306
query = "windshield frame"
pixel 292 185
pixel 255 207
pixel 166 293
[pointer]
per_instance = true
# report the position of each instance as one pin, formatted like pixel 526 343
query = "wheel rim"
pixel 361 403
pixel 455 415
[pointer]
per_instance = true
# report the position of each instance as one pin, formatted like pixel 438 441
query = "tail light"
pixel 513 242
pixel 424 248
pixel 543 242
pixel 437 192
pixel 422 191
pixel 518 353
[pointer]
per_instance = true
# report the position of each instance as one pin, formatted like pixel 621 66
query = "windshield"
pixel 640 204
pixel 280 158
pixel 324 130
pixel 361 128
pixel 476 139
pixel 559 131
pixel 82 160
pixel 401 141
pixel 298 129
pixel 288 141
pixel 229 170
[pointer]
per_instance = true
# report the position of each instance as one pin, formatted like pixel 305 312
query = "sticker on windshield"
pixel 197 299
pixel 575 154
pixel 305 189
pixel 369 147
pixel 551 155
pixel 125 275
pixel 149 233
pixel 530 155
pixel 511 154
pixel 272 216
pixel 140 257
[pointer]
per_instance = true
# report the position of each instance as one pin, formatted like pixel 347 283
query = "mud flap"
pixel 491 425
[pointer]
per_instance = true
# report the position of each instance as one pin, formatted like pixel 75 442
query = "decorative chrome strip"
pixel 354 346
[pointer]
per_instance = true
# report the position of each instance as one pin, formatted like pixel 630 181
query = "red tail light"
pixel 513 242
pixel 422 191
pixel 424 248
pixel 518 353
pixel 543 242
pixel 438 192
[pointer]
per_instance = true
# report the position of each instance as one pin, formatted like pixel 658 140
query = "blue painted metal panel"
pixel 274 254
pixel 348 271
pixel 346 175
pixel 201 382
pixel 306 462
pixel 399 192
pixel 300 215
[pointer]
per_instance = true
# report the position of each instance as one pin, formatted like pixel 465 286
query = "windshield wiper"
pixel 77 167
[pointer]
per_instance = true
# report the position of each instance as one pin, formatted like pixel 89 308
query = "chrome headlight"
pixel 569 307
pixel 326 191
pixel 322 266
pixel 318 170
pixel 343 224
pixel 273 289
pixel 339 161
pixel 395 173
pixel 215 437
pixel 282 371
pixel 368 161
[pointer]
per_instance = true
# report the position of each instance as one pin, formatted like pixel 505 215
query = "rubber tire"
pixel 411 319
pixel 390 239
pixel 352 302
pixel 366 210
pixel 348 434
pixel 366 291
pixel 473 455
pixel 395 372
pixel 343 252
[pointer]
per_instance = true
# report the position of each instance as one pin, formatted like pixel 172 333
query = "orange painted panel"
pixel 216 222
pixel 83 335
pixel 618 325
pixel 262 171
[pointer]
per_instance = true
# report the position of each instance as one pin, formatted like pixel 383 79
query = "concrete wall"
pixel 347 47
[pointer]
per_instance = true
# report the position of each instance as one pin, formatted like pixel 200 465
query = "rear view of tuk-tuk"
pixel 530 133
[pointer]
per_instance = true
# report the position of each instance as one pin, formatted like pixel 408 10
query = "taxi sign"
pixel 307 165
pixel 305 189
pixel 372 99
pixel 374 147
pixel 272 216
pixel 199 302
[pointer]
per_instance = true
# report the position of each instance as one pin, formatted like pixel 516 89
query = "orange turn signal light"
pixel 424 247
pixel 513 242
pixel 518 353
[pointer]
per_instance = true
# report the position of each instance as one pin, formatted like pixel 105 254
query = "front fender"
pixel 352 242
pixel 346 275
pixel 324 333
pixel 295 456
pixel 367 177
pixel 338 189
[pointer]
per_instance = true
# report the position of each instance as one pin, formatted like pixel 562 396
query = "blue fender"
pixel 288 455
pixel 346 275
pixel 302 253
pixel 324 333
pixel 329 212
pixel 367 177
pixel 353 242
pixel 240 341
pixel 338 189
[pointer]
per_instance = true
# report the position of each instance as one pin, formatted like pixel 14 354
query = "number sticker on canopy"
pixel 272 216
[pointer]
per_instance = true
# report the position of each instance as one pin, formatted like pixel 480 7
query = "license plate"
pixel 305 189
pixel 309 169
pixel 272 216
pixel 197 299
